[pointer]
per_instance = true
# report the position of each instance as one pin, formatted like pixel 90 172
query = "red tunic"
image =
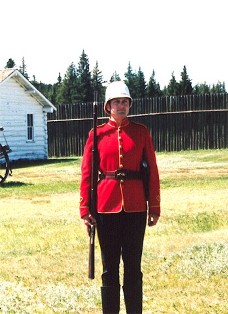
pixel 120 147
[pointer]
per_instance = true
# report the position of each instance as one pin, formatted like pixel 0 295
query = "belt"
pixel 121 174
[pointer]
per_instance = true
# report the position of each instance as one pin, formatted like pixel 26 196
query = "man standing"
pixel 122 205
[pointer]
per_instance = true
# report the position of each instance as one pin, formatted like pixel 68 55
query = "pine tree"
pixel 84 81
pixel 153 88
pixel 68 88
pixel 23 69
pixel 201 89
pixel 55 96
pixel 97 80
pixel 140 84
pixel 173 88
pixel 10 64
pixel 131 81
pixel 115 77
pixel 59 79
pixel 185 83
pixel 218 88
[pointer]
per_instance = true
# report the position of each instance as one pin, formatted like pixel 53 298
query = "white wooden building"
pixel 23 115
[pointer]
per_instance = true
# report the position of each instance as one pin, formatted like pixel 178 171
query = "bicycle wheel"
pixel 4 166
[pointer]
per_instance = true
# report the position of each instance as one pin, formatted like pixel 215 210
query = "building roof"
pixel 4 73
pixel 7 74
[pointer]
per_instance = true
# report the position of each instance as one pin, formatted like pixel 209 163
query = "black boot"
pixel 110 297
pixel 133 299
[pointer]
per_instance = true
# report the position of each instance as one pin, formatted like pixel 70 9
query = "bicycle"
pixel 5 168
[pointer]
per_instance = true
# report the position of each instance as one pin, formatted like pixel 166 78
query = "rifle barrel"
pixel 93 191
pixel 91 253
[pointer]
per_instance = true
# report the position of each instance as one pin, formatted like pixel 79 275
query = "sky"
pixel 159 35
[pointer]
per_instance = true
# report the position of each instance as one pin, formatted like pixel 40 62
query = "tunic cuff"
pixel 155 210
pixel 84 210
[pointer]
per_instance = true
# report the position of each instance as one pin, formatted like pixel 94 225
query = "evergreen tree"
pixel 54 94
pixel 56 91
pixel 23 69
pixel 59 79
pixel 10 64
pixel 97 80
pixel 115 77
pixel 131 81
pixel 68 89
pixel 79 85
pixel 201 89
pixel 185 84
pixel 173 88
pixel 45 89
pixel 153 88
pixel 140 84
pixel 84 81
pixel 219 88
pixel 165 91
pixel 34 82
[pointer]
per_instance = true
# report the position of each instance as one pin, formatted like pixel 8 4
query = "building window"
pixel 30 127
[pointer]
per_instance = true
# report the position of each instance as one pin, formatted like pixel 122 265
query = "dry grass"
pixel 44 246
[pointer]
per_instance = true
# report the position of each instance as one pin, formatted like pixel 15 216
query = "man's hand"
pixel 89 221
pixel 152 219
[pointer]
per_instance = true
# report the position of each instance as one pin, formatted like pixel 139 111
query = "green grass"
pixel 43 178
pixel 44 246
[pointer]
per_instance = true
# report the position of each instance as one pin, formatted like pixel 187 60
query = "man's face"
pixel 119 107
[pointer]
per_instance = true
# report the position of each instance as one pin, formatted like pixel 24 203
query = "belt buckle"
pixel 120 174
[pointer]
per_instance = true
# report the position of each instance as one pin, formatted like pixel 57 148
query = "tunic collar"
pixel 124 123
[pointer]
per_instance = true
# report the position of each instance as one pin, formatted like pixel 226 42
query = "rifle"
pixel 93 191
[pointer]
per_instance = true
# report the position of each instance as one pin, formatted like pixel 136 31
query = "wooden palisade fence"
pixel 177 123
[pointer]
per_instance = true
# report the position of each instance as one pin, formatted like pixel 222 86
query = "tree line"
pixel 79 83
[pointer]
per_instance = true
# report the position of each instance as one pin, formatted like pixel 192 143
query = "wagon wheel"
pixel 4 166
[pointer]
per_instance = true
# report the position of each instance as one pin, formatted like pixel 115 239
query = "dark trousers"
pixel 122 234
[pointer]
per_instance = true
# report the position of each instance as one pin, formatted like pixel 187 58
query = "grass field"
pixel 44 246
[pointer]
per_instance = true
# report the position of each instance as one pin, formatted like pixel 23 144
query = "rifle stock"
pixel 93 192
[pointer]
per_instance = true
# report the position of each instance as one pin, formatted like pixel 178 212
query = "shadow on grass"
pixel 11 184
pixel 28 163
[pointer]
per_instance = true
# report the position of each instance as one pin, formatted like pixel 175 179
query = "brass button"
pixel 121 181
pixel 121 166
pixel 121 156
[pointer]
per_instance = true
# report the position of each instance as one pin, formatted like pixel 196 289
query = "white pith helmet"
pixel 116 89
